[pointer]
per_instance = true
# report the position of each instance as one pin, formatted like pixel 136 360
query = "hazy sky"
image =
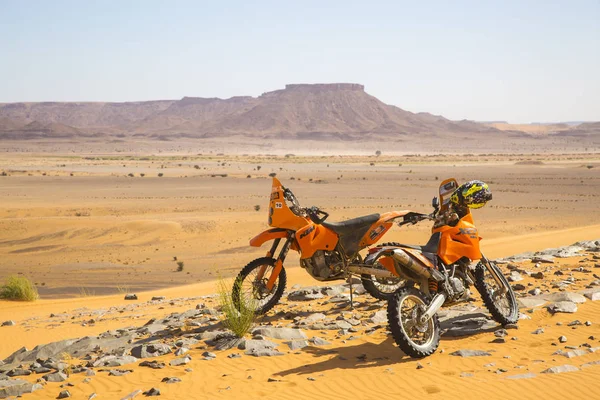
pixel 519 61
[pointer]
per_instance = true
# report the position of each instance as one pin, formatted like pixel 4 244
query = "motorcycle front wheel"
pixel 404 310
pixel 500 300
pixel 250 291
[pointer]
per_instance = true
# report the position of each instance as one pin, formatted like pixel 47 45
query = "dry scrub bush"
pixel 240 319
pixel 18 288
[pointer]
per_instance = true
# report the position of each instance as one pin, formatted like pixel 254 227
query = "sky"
pixel 517 61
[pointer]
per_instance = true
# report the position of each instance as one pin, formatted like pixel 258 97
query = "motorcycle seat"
pixel 430 247
pixel 345 227
pixel 351 231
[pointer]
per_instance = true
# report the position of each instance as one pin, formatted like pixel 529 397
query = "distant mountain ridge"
pixel 299 111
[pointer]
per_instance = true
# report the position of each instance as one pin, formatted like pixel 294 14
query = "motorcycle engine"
pixel 459 291
pixel 323 264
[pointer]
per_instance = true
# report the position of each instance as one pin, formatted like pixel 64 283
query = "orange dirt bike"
pixel 443 269
pixel 328 250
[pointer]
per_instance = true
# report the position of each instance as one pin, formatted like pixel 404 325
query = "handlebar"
pixel 313 213
pixel 413 218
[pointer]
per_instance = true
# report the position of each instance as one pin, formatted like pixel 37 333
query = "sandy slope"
pixel 336 370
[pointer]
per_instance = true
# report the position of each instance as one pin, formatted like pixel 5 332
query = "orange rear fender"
pixel 269 234
pixel 379 228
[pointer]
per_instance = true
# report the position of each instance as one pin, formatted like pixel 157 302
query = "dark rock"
pixel 152 392
pixel 518 287
pixel 131 395
pixel 470 353
pixel 180 361
pixel 208 355
pixel 16 387
pixel 234 355
pixel 563 307
pixel 543 259
pixel 564 296
pixel 528 375
pixel 312 318
pixel 8 323
pixel 297 344
pixel 306 294
pixel 18 372
pixel 538 331
pixel 593 294
pixel 538 275
pixel 266 352
pixel 119 372
pixel 317 341
pixel 562 339
pixel 131 296
pixel 591 363
pixel 515 277
pixel 500 333
pixel 280 333
pixel 379 317
pixel 152 364
pixel 158 298
pixel 172 379
pixel 560 369
pixel 114 361
pixel 150 350
pixel 64 394
pixel 55 377
pixel 181 351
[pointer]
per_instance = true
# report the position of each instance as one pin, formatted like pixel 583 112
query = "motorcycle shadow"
pixel 366 355
pixel 459 325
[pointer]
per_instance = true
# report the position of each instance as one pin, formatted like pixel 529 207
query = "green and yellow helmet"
pixel 473 194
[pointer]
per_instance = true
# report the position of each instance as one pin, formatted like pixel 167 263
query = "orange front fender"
pixel 269 234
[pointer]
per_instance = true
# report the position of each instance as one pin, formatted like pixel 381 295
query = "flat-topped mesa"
pixel 322 87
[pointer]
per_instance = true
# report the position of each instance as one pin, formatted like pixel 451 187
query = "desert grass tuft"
pixel 240 317
pixel 19 288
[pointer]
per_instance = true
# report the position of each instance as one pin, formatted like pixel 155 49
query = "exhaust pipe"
pixel 407 261
pixel 378 272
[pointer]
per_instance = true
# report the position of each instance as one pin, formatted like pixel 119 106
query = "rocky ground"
pixel 551 286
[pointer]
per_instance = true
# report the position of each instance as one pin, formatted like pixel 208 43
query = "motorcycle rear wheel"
pixel 414 339
pixel 248 290
pixel 382 289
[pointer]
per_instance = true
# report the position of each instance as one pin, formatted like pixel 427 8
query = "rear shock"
pixel 433 285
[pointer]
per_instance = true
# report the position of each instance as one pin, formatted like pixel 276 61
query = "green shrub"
pixel 18 288
pixel 241 320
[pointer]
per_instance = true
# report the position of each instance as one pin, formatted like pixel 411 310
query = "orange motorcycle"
pixel 328 250
pixel 443 270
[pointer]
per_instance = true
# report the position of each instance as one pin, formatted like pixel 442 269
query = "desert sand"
pixel 86 233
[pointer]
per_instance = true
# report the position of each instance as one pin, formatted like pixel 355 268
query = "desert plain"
pixel 89 228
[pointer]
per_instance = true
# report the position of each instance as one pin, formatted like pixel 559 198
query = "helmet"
pixel 473 194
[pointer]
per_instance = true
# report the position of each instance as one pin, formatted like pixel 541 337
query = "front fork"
pixel 494 272
pixel 278 264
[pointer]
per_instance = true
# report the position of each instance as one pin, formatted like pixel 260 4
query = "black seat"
pixel 345 227
pixel 430 247
pixel 351 231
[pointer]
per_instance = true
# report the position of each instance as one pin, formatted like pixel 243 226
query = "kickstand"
pixel 351 294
